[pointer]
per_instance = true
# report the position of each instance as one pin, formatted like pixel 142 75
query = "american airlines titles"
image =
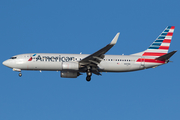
pixel 54 58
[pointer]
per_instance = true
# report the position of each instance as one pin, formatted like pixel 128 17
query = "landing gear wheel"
pixel 88 78
pixel 89 73
pixel 20 74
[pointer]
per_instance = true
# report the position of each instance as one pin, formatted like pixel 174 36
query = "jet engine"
pixel 70 66
pixel 69 74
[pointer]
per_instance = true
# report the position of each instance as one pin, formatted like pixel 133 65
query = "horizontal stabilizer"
pixel 166 56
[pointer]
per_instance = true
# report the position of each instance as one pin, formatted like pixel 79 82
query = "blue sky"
pixel 86 26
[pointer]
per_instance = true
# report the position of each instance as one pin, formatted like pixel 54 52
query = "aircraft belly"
pixel 136 66
pixel 151 65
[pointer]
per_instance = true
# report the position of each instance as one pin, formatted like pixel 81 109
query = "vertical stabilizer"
pixel 161 45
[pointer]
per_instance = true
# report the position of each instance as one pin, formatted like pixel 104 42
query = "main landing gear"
pixel 89 74
pixel 88 78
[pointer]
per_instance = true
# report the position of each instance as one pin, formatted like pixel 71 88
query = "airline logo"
pixel 52 58
pixel 30 59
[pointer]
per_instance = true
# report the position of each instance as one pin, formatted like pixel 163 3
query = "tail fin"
pixel 161 45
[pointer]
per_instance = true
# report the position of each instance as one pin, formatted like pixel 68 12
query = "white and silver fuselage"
pixel 53 62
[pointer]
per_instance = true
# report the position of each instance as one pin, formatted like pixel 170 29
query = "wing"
pixel 95 58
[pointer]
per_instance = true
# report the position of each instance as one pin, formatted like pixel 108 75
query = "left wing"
pixel 95 58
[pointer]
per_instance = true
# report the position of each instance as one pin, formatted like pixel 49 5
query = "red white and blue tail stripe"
pixel 158 48
pixel 161 45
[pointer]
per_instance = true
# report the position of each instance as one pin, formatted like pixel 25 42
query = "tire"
pixel 88 78
pixel 20 74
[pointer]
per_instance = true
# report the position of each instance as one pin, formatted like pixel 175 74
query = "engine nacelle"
pixel 69 74
pixel 70 66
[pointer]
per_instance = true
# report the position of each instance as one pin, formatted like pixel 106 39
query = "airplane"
pixel 73 65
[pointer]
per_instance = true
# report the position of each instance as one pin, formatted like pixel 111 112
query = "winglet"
pixel 113 42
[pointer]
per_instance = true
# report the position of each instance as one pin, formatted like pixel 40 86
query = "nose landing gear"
pixel 18 70
pixel 20 74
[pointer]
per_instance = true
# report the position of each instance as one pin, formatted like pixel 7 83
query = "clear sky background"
pixel 74 26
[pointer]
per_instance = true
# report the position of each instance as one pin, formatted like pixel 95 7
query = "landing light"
pixel 16 69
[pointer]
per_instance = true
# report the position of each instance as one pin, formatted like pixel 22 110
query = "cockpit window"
pixel 13 57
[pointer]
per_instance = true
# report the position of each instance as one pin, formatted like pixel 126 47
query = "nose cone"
pixel 6 63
